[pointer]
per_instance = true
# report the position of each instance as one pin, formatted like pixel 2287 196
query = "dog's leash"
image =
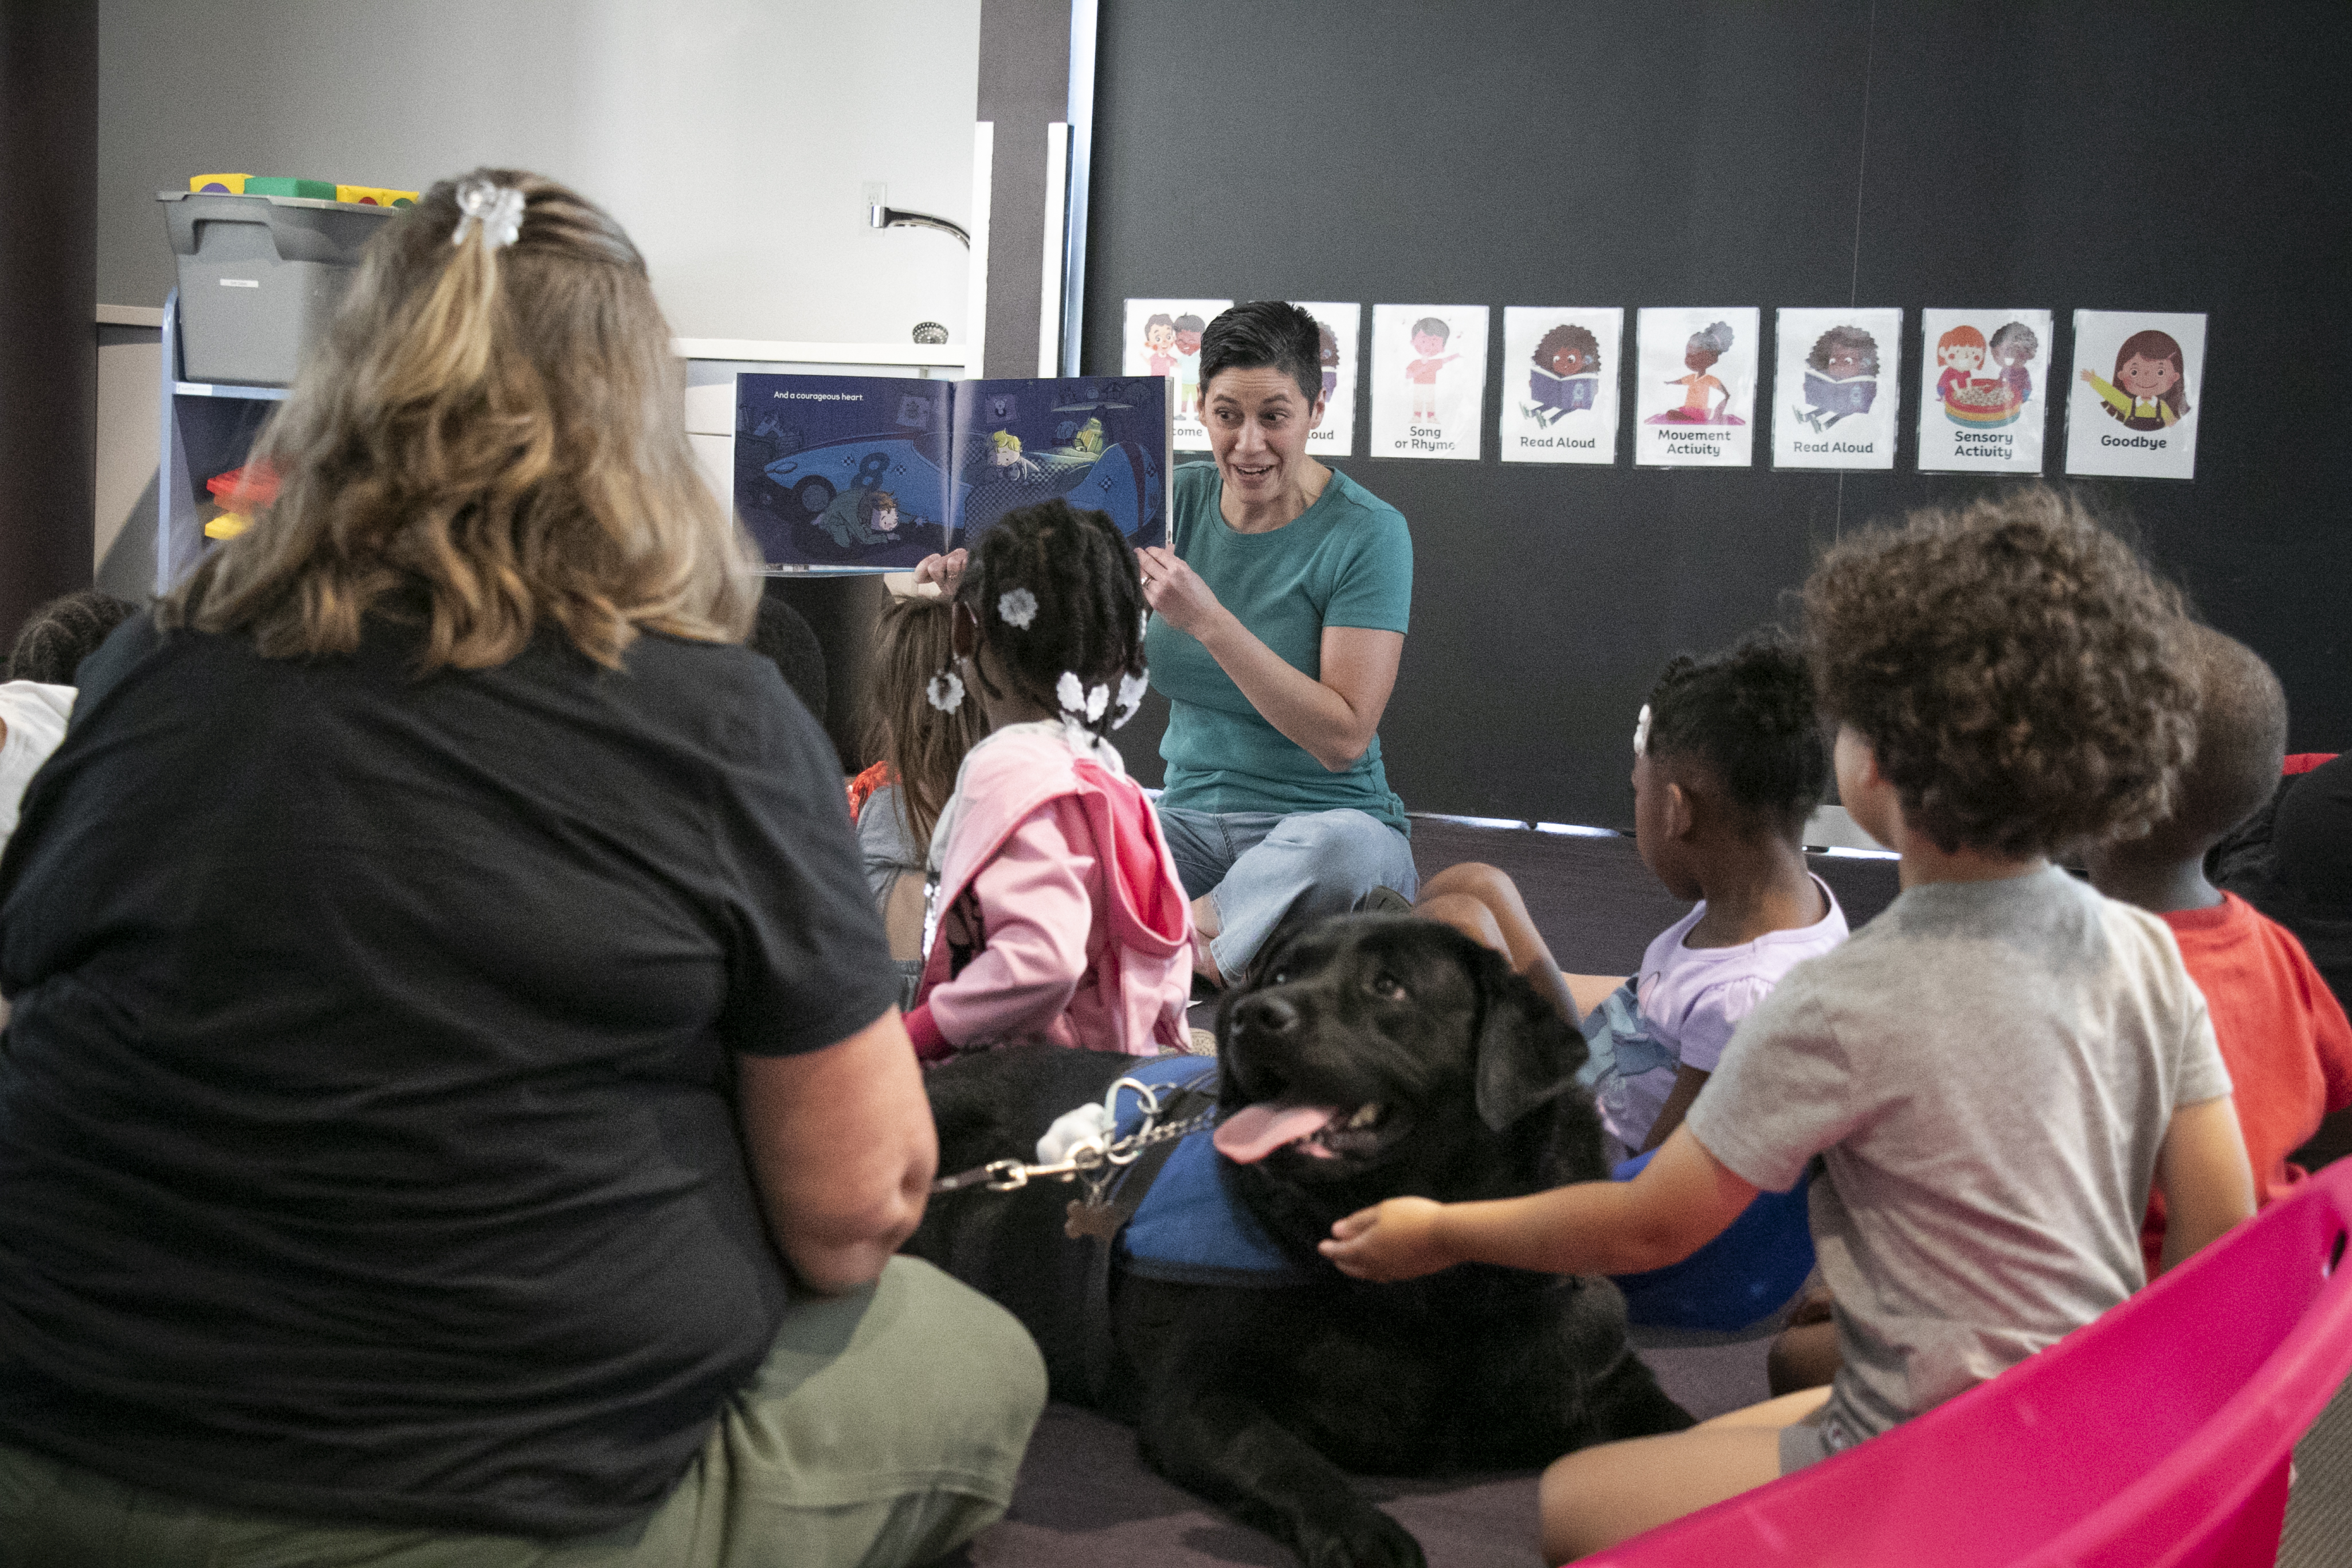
pixel 1094 1159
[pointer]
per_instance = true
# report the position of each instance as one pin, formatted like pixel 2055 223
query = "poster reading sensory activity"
pixel 1163 338
pixel 1429 379
pixel 1834 388
pixel 1695 387
pixel 1984 391
pixel 1560 370
pixel 1340 328
pixel 2131 405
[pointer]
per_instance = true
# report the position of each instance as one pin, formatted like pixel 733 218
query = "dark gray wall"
pixel 48 348
pixel 1024 86
pixel 1888 153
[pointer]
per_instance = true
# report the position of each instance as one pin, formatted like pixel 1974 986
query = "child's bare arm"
pixel 1681 1201
pixel 1688 1081
pixel 2202 1170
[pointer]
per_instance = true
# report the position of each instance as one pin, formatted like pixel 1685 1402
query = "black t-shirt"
pixel 367 1146
pixel 2306 884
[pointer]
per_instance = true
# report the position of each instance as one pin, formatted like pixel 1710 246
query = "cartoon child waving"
pixel 1429 335
pixel 2151 389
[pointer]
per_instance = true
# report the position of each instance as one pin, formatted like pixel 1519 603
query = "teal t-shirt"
pixel 1347 560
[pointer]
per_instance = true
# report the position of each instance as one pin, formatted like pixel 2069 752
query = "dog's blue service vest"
pixel 1191 1229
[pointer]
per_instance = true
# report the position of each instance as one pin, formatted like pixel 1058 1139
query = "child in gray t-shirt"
pixel 1992 1073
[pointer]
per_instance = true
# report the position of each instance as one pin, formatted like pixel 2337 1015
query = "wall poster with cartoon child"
pixel 2131 403
pixel 1429 381
pixel 1340 329
pixel 1835 388
pixel 1984 391
pixel 1163 338
pixel 1695 387
pixel 1560 370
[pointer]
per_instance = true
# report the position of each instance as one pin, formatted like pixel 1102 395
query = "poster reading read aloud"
pixel 2131 406
pixel 1834 388
pixel 1429 379
pixel 1984 391
pixel 1341 327
pixel 1695 387
pixel 1163 338
pixel 1561 369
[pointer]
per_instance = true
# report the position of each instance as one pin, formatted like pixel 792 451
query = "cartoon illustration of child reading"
pixel 1188 360
pixel 1567 375
pixel 1699 408
pixel 1429 335
pixel 2150 390
pixel 1329 355
pixel 1159 343
pixel 1840 377
pixel 2013 348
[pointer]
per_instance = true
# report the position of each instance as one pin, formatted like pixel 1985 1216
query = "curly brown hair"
pixel 2014 665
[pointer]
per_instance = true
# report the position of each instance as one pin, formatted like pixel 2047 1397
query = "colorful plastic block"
pixel 375 196
pixel 218 185
pixel 286 185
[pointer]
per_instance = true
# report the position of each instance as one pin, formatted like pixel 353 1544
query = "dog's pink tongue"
pixel 1254 1131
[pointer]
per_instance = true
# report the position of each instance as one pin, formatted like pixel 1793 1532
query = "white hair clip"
pixel 1131 688
pixel 1098 699
pixel 1641 731
pixel 496 208
pixel 1070 693
pixel 945 692
pixel 1016 608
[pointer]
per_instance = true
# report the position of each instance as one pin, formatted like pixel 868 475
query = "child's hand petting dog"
pixel 1397 1239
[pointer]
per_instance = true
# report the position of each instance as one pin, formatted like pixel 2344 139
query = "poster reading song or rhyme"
pixel 1341 329
pixel 1835 388
pixel 1984 391
pixel 1429 379
pixel 1695 387
pixel 2131 403
pixel 1561 369
pixel 1163 338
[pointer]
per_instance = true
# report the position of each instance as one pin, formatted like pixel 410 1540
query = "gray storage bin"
pixel 259 276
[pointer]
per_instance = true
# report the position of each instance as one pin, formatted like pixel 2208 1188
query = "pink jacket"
pixel 1059 913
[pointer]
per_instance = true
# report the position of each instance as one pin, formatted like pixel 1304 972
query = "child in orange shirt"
pixel 2283 1033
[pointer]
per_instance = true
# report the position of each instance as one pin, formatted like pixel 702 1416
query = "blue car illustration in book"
pixel 866 473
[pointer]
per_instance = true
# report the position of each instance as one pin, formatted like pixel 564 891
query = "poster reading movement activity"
pixel 2131 405
pixel 1560 370
pixel 1163 338
pixel 1341 330
pixel 1984 391
pixel 1429 379
pixel 1834 385
pixel 1695 387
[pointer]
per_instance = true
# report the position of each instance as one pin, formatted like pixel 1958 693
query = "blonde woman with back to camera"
pixel 456 1107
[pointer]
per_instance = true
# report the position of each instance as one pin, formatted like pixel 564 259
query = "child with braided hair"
pixel 1056 911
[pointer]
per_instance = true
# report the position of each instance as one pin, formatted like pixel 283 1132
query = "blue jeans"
pixel 1259 868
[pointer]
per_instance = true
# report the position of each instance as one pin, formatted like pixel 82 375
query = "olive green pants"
pixel 886 1426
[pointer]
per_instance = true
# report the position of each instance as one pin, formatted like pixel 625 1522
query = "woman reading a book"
pixel 1279 610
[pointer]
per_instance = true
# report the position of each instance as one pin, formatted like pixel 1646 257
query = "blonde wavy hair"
pixel 496 435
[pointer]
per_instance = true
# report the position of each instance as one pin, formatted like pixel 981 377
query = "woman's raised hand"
pixel 1175 591
pixel 947 571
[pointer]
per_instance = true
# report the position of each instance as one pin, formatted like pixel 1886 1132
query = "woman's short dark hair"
pixel 1747 717
pixel 1263 333
pixel 57 636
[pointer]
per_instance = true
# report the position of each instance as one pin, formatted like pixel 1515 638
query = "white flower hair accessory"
pixel 1641 731
pixel 1070 693
pixel 944 691
pixel 1016 608
pixel 1131 688
pixel 496 208
pixel 1098 699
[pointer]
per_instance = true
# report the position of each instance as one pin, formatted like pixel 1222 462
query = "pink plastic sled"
pixel 2157 1436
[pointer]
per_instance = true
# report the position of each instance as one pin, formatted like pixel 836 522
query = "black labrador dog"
pixel 1371 1055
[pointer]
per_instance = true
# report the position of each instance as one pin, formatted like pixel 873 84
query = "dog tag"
pixel 1099 1221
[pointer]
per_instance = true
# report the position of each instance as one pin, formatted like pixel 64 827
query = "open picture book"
pixel 855 473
